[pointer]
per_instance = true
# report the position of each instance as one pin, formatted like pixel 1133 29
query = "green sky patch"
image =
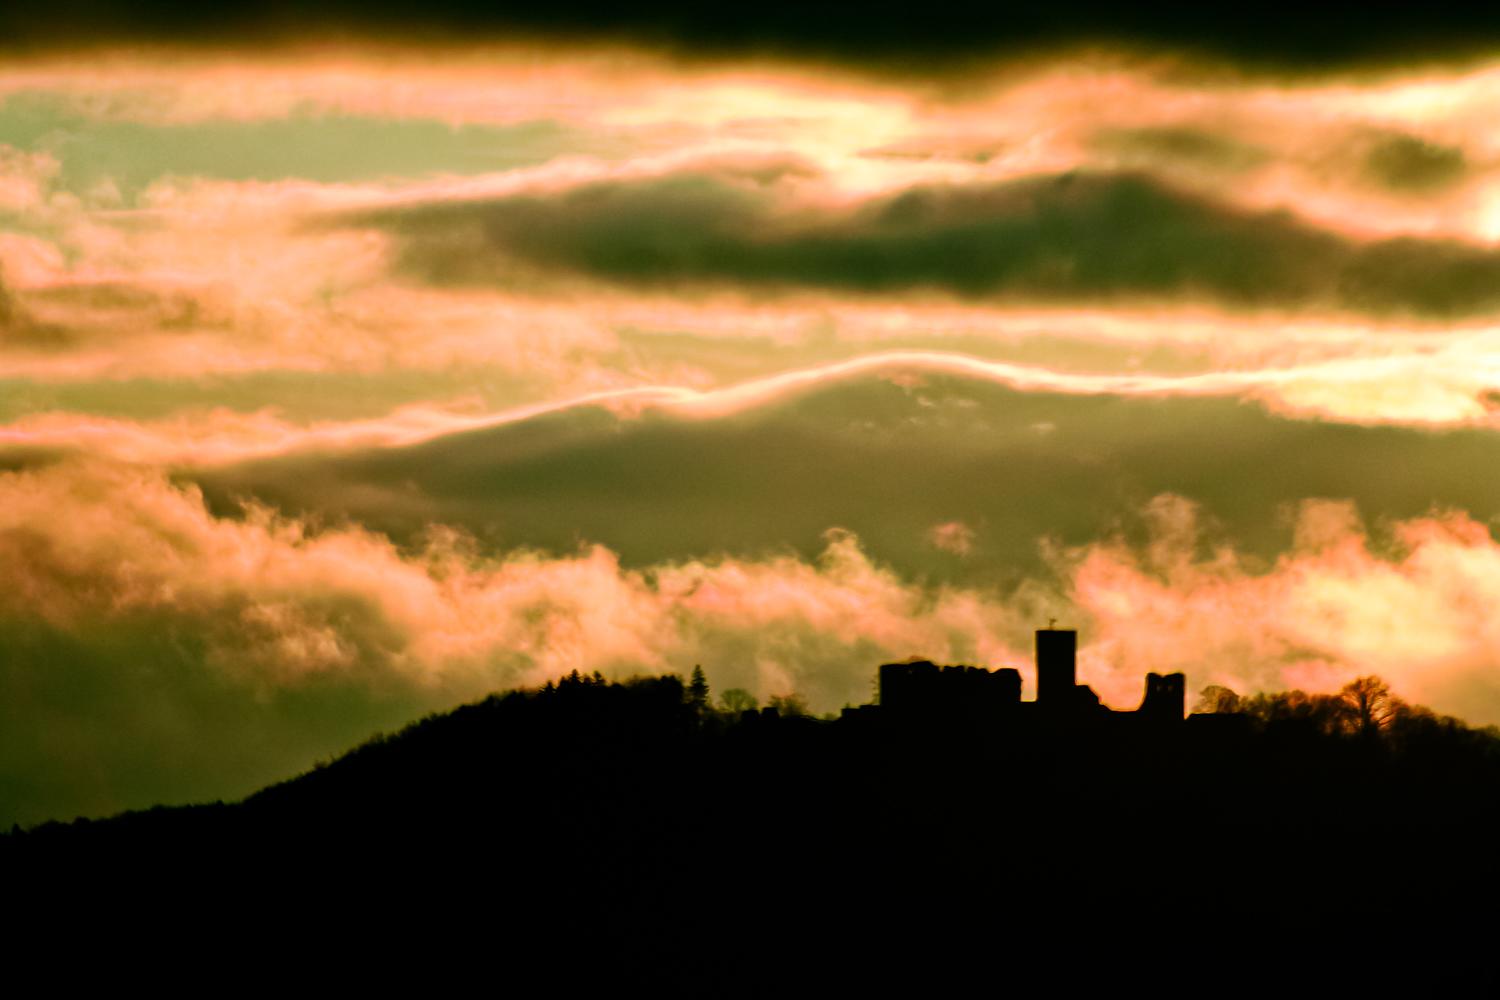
pixel 307 145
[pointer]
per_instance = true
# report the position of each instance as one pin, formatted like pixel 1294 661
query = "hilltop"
pixel 678 838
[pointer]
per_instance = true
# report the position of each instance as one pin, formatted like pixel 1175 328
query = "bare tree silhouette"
pixel 1370 704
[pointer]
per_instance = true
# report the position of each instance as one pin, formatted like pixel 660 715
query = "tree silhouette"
pixel 789 704
pixel 697 690
pixel 1327 714
pixel 738 700
pixel 1216 699
pixel 1370 705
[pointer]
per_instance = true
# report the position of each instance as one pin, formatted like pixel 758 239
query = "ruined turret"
pixel 1165 699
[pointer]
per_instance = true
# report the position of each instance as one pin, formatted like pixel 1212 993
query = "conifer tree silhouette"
pixel 697 691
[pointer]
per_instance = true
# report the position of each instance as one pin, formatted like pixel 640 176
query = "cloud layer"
pixel 139 624
pixel 884 36
pixel 141 629
pixel 887 451
pixel 1074 237
pixel 340 383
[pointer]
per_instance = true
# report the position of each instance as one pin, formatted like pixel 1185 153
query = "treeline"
pixel 1364 709
pixel 580 714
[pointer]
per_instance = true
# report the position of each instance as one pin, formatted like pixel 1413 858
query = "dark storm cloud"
pixel 1071 237
pixel 1181 145
pixel 932 36
pixel 1407 163
pixel 11 313
pixel 888 462
pixel 64 316
pixel 19 327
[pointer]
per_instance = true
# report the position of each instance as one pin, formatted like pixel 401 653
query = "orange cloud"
pixel 1412 604
pixel 952 536
pixel 274 602
pixel 209 277
pixel 24 178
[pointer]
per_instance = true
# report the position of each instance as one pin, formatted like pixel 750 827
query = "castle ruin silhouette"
pixel 921 690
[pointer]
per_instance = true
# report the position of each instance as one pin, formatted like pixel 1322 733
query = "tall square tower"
pixel 1056 665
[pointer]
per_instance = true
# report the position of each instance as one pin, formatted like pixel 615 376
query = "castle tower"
pixel 1056 666
pixel 1166 696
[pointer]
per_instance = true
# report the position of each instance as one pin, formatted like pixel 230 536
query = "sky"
pixel 350 374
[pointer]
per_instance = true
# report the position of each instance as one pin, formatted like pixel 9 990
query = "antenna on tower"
pixel 1051 623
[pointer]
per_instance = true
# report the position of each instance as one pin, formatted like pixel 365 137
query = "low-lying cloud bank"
pixel 155 651
pixel 1409 601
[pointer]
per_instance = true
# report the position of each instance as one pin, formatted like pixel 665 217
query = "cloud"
pixel 947 38
pixel 221 436
pixel 11 315
pixel 21 329
pixel 1153 145
pixel 217 277
pixel 25 178
pixel 279 602
pixel 1072 237
pixel 1433 391
pixel 884 451
pixel 1409 602
pixel 1407 163
pixel 952 536
pixel 640 362
pixel 153 650
pixel 136 625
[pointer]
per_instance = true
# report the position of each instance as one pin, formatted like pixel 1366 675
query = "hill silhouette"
pixel 644 832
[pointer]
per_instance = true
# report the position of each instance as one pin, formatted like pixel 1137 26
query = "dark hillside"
pixel 604 833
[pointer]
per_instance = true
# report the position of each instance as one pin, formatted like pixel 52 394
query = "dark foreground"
pixel 606 836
